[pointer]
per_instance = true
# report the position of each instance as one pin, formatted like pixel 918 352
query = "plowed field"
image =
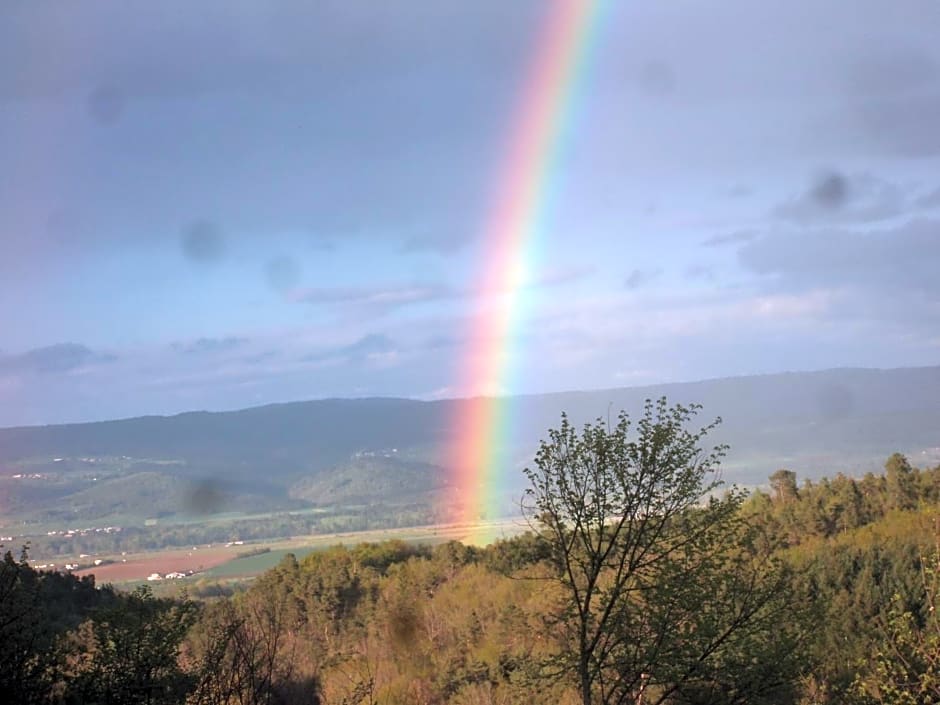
pixel 138 567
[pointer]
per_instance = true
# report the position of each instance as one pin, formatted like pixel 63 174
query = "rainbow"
pixel 524 193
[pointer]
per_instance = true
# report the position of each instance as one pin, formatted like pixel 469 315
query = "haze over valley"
pixel 369 463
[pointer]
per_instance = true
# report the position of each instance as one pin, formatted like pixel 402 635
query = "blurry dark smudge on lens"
pixel 204 497
pixel 830 190
pixel 203 242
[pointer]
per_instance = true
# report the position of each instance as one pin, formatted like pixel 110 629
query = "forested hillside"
pixel 390 623
pixel 818 592
pixel 394 456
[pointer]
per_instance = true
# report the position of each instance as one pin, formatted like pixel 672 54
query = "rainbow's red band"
pixel 520 201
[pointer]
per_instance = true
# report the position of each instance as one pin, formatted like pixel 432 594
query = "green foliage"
pixel 856 559
pixel 661 581
pixel 244 650
pixel 508 556
pixel 811 593
pixel 23 632
pixel 905 666
pixel 36 609
pixel 363 480
pixel 327 520
pixel 380 556
pixel 128 653
pixel 828 508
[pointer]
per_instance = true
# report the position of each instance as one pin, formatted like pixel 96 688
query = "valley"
pixel 337 466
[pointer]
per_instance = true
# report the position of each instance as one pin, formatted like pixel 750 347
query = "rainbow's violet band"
pixel 520 210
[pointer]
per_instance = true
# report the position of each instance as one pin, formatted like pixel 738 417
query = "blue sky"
pixel 236 203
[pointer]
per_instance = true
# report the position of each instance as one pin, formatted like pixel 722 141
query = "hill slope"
pixel 286 455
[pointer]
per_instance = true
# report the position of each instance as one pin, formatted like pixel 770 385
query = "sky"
pixel 231 203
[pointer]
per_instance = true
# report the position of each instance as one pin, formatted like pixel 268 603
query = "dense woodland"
pixel 820 592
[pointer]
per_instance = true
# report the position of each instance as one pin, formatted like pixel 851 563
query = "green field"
pixel 246 567
pixel 253 565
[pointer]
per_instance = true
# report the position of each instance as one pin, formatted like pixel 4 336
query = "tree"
pixel 129 653
pixel 245 649
pixel 902 482
pixel 662 583
pixel 845 504
pixel 904 668
pixel 22 632
pixel 783 484
pixel 36 609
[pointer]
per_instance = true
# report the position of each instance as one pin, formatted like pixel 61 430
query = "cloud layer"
pixel 263 202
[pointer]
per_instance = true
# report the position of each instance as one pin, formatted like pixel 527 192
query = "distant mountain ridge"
pixel 284 454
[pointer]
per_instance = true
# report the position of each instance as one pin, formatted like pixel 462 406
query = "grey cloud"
pixel 275 53
pixel 732 238
pixel 441 342
pixel 640 277
pixel 320 150
pixel 369 345
pixel 560 277
pixel 699 271
pixel 304 124
pixel 357 351
pixel 833 197
pixel 388 296
pixel 394 296
pixel 210 345
pixel 895 263
pixel 335 79
pixel 929 200
pixel 260 357
pixel 903 125
pixel 442 246
pixel 321 243
pixel 891 70
pixel 893 90
pixel 62 357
